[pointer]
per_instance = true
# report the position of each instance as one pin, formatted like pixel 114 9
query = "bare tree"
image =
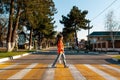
pixel 112 26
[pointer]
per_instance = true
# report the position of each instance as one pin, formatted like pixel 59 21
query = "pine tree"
pixel 74 21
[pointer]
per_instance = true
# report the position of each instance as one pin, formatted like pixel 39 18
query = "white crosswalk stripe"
pixel 110 67
pixel 103 74
pixel 49 73
pixel 76 74
pixel 9 67
pixel 23 72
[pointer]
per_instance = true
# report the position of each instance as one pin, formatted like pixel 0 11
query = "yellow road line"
pixel 88 73
pixel 3 65
pixel 116 66
pixel 62 73
pixel 109 71
pixel 9 72
pixel 36 72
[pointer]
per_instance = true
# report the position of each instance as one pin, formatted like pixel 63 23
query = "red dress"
pixel 60 47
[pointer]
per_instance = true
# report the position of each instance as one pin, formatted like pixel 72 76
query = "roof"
pixel 104 33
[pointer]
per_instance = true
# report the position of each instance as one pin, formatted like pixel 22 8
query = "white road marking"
pixel 103 74
pixel 49 73
pixel 23 72
pixel 9 67
pixel 76 74
pixel 110 67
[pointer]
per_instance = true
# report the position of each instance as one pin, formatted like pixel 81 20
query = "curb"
pixel 13 57
pixel 118 60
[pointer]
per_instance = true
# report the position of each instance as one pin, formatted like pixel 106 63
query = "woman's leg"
pixel 64 60
pixel 57 58
pixel 60 60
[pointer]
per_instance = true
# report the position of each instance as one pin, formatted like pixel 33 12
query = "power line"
pixel 104 10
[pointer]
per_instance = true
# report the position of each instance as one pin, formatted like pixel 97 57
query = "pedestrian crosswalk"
pixel 38 71
pixel 20 74
pixel 76 74
pixel 100 72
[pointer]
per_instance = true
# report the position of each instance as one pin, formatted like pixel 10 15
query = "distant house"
pixel 22 40
pixel 82 44
pixel 101 40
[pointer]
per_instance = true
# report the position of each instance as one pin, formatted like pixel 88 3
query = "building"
pixel 82 44
pixel 23 40
pixel 102 40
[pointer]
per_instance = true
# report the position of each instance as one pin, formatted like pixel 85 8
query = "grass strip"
pixel 8 54
pixel 117 57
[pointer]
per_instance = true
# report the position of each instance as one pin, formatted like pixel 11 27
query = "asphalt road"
pixel 48 56
pixel 82 66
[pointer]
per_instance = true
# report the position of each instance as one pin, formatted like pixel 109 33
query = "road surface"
pixel 37 66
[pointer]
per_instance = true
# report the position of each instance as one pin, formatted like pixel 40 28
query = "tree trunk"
pixel 14 32
pixel 30 40
pixel 76 39
pixel 113 44
pixel 113 40
pixel 47 44
pixel 40 40
pixel 9 34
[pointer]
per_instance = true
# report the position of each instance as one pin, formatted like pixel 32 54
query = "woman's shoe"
pixel 66 66
pixel 53 66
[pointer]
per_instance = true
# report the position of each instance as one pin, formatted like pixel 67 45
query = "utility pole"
pixel 89 27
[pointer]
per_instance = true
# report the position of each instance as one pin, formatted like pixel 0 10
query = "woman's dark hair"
pixel 58 37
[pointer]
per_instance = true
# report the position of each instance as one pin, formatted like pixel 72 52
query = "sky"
pixel 94 7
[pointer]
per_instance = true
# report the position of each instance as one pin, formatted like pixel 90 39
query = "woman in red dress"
pixel 60 47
